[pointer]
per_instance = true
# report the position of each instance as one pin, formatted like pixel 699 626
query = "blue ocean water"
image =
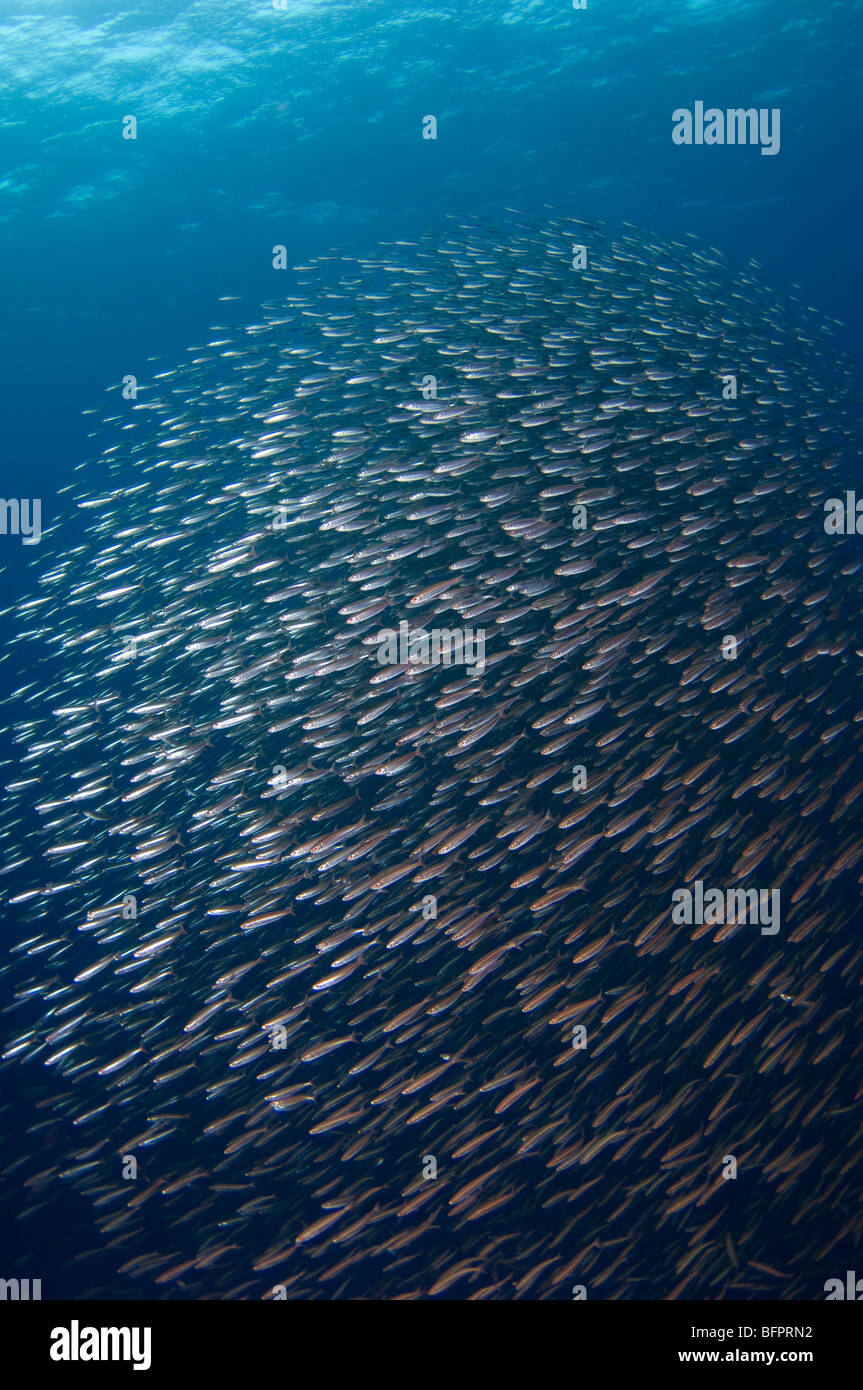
pixel 259 125
pixel 303 126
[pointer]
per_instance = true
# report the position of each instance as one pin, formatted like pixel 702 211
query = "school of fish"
pixel 381 993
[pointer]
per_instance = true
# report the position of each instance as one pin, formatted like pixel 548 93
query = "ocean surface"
pixel 257 127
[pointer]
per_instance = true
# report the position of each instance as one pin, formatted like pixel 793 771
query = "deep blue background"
pixel 303 127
